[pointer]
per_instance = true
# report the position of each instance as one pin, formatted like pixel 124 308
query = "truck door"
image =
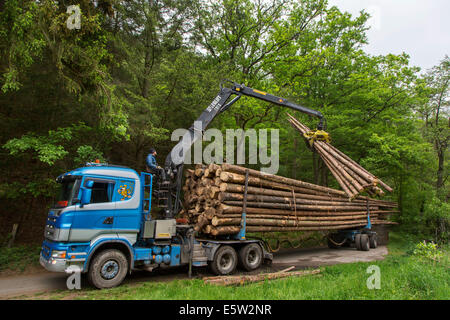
pixel 128 216
pixel 97 217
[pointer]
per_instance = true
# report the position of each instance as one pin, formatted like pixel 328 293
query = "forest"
pixel 134 71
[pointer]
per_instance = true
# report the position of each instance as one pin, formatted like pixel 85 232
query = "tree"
pixel 437 121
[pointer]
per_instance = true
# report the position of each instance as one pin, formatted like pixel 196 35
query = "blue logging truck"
pixel 101 222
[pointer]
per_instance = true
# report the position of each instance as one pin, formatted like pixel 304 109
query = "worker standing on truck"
pixel 152 165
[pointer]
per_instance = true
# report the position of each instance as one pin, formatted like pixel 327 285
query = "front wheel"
pixel 225 261
pixel 108 269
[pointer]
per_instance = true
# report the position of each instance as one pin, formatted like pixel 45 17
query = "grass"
pixel 19 258
pixel 403 276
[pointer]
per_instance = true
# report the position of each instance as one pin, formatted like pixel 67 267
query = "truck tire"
pixel 358 241
pixel 364 242
pixel 108 269
pixel 250 256
pixel 225 261
pixel 373 243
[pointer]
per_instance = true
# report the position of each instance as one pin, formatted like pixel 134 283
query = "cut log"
pixel 214 200
pixel 262 178
pixel 236 207
pixel 243 279
pixel 353 178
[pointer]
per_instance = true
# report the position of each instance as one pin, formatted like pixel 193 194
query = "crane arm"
pixel 219 105
pixel 241 89
pixel 173 165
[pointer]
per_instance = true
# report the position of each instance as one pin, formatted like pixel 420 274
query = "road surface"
pixel 23 285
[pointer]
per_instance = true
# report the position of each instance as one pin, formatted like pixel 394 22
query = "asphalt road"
pixel 23 285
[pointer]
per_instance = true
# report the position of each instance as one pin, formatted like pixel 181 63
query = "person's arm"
pixel 151 162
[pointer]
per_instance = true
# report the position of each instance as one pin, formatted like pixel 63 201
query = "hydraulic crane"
pixel 168 187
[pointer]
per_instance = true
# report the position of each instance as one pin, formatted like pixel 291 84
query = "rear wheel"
pixel 364 242
pixel 250 256
pixel 373 243
pixel 225 261
pixel 108 269
pixel 358 241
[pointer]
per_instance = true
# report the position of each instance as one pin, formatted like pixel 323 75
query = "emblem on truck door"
pixel 125 190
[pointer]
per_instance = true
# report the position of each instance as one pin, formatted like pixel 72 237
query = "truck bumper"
pixel 54 265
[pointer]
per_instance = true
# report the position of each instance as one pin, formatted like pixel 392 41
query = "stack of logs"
pixel 353 178
pixel 214 202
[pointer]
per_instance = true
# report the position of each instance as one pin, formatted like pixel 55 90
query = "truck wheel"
pixel 364 242
pixel 373 241
pixel 108 269
pixel 358 241
pixel 250 256
pixel 225 261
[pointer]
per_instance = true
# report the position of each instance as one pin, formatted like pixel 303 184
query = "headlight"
pixel 59 254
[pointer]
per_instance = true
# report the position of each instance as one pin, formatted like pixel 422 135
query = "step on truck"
pixel 101 223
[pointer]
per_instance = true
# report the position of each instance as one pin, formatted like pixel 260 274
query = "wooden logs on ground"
pixel 214 201
pixel 353 178
pixel 243 279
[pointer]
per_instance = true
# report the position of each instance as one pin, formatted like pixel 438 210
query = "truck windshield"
pixel 68 191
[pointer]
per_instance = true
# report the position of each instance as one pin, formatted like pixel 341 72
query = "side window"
pixel 102 191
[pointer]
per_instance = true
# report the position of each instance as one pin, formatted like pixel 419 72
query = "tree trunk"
pixel 440 171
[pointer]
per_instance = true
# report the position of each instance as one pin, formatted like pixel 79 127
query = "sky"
pixel 421 28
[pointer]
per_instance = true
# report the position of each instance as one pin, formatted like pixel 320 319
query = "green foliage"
pixel 48 148
pixel 19 258
pixel 437 208
pixel 428 250
pixel 87 154
pixel 16 190
pixel 45 146
pixel 18 33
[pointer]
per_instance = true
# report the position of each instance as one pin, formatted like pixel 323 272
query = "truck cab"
pixel 101 225
pixel 97 205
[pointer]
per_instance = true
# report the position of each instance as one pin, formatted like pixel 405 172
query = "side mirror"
pixel 86 193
